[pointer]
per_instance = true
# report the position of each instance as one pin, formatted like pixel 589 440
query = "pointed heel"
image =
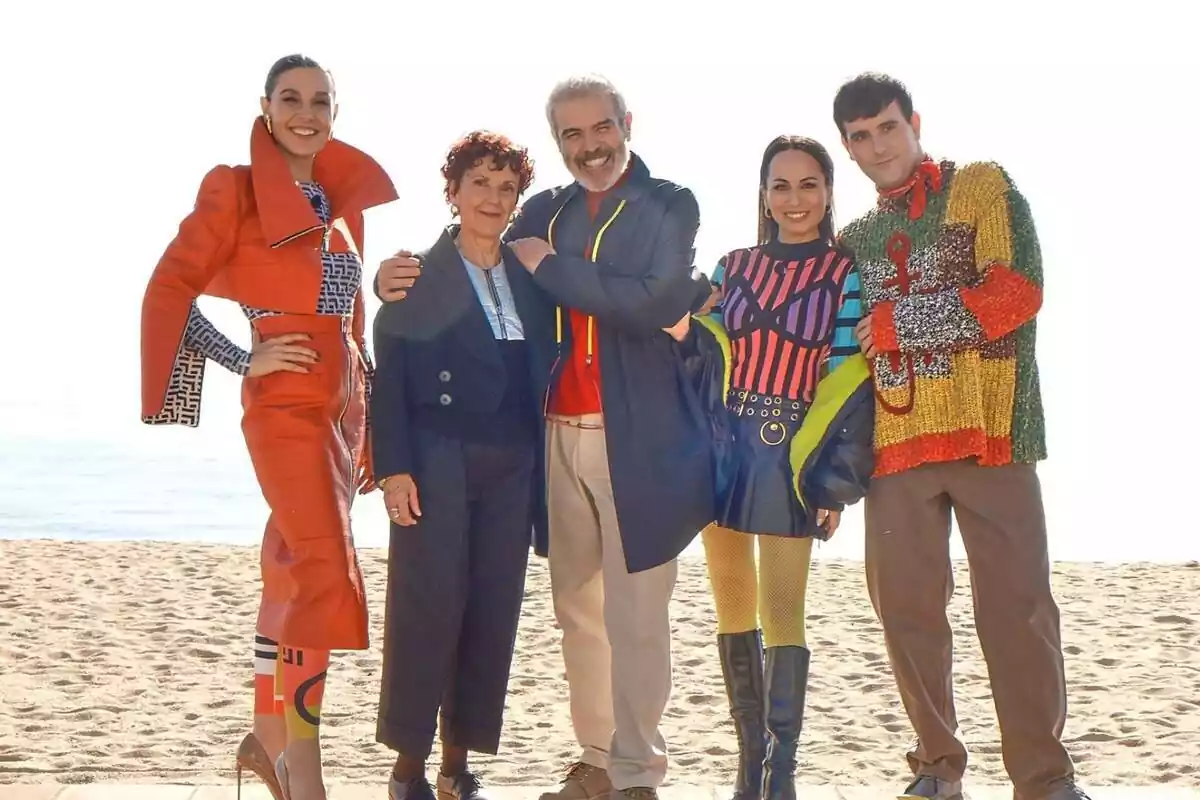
pixel 251 755
pixel 281 775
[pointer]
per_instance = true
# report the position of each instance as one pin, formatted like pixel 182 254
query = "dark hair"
pixel 287 64
pixel 473 148
pixel 768 228
pixel 866 95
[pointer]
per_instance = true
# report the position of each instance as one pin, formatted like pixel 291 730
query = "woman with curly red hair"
pixel 461 370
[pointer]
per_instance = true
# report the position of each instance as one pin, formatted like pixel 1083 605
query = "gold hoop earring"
pixel 453 210
pixel 267 120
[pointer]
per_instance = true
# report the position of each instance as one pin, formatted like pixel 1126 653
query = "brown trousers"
pixel 910 580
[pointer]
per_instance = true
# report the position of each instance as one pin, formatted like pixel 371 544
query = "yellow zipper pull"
pixel 589 342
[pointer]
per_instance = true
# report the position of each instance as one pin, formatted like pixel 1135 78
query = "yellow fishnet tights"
pixel 775 590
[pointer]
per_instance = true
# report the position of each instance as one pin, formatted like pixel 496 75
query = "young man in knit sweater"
pixel 951 284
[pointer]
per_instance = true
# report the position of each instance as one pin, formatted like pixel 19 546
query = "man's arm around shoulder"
pixel 646 303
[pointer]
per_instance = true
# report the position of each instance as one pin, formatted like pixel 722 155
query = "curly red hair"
pixel 473 148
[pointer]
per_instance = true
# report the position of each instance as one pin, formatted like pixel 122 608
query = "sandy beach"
pixel 131 661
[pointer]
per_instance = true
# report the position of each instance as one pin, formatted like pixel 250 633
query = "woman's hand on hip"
pixel 400 499
pixel 281 354
pixel 829 520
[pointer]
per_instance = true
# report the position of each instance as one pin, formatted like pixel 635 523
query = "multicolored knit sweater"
pixel 951 277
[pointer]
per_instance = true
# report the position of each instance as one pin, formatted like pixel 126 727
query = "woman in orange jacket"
pixel 282 237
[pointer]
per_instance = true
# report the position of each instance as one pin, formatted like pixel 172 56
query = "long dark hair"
pixel 768 229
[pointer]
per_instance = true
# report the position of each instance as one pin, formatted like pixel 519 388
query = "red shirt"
pixel 578 390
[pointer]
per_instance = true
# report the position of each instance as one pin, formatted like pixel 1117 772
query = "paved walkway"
pixel 162 791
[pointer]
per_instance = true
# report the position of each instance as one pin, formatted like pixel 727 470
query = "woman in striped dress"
pixel 785 325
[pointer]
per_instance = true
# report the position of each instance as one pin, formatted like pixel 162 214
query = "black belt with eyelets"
pixel 779 415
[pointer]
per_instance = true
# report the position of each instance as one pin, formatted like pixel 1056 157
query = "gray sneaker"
pixel 927 787
pixel 583 782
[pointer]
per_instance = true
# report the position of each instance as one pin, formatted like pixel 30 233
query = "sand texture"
pixel 132 662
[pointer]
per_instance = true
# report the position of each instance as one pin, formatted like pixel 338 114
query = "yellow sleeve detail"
pixel 978 198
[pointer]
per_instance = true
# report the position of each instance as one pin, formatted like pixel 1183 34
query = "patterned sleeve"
pixel 369 379
pixel 203 337
pixel 174 338
pixel 370 368
pixel 845 344
pixel 359 324
pixel 1006 291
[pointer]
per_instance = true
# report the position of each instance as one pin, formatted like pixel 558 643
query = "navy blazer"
pixel 435 353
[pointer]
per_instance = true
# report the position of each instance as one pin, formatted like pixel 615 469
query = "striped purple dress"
pixel 790 312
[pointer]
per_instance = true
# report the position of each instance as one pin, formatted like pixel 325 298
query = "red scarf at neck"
pixel 927 174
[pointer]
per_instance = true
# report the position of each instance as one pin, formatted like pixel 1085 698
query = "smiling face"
pixel 592 140
pixel 797 195
pixel 486 198
pixel 886 147
pixel 301 109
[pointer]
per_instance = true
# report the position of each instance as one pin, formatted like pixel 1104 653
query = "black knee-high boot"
pixel 742 666
pixel 786 685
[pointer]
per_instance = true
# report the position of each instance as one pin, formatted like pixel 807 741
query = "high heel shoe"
pixel 252 756
pixel 281 775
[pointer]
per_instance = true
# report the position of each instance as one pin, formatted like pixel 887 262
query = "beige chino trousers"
pixel 616 626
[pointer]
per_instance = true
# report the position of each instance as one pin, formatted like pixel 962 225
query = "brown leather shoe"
pixel 583 782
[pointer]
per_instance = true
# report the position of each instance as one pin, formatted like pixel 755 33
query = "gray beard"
pixel 617 173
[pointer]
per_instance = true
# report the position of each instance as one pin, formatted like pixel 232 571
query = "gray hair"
pixel 585 86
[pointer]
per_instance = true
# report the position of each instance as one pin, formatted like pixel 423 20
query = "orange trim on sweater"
pixel 991 451
pixel 1005 301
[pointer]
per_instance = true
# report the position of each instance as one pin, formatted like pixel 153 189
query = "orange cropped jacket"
pixel 255 239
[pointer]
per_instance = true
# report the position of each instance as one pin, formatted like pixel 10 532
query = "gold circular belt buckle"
pixel 774 429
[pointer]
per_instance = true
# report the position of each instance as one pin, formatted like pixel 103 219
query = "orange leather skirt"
pixel 306 433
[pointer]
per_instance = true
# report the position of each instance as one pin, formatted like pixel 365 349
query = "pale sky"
pixel 117 110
